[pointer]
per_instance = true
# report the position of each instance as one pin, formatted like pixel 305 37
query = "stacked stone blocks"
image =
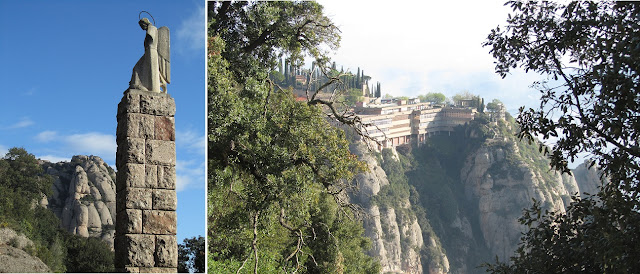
pixel 146 200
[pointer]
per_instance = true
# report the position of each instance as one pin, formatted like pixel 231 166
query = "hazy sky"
pixel 65 65
pixel 415 47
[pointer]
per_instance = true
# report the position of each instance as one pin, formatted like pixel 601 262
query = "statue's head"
pixel 144 23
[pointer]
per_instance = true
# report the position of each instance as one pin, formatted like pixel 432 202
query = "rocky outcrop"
pixel 84 196
pixel 14 258
pixel 588 179
pixel 503 182
pixel 396 236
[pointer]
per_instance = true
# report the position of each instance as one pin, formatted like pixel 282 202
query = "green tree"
pixel 191 255
pixel 22 184
pixel 464 95
pixel 88 255
pixel 21 172
pixel 274 163
pixel 589 104
pixel 433 97
pixel 494 105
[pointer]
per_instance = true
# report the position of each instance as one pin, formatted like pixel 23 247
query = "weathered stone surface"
pixel 386 228
pixel 164 199
pixel 166 177
pixel 14 260
pixel 151 179
pixel 129 221
pixel 165 128
pixel 157 104
pixel 166 251
pixel 146 198
pixel 105 213
pixel 137 250
pixel 82 220
pixel 79 184
pixel 136 125
pixel 129 269
pixel 135 198
pixel 131 175
pixel 93 217
pixel 158 270
pixel 130 151
pixel 159 222
pixel 161 152
pixel 130 102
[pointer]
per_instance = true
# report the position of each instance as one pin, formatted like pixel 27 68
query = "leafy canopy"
pixel 590 53
pixel 22 185
pixel 277 169
pixel 191 255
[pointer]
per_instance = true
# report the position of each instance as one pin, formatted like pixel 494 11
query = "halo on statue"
pixel 154 20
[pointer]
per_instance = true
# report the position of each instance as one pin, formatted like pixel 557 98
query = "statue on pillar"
pixel 153 71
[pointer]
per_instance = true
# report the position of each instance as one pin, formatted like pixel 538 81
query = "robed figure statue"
pixel 153 71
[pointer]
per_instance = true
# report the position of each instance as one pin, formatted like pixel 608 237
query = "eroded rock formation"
pixel 396 236
pixel 84 196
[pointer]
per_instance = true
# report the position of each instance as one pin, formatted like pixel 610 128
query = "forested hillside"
pixel 23 185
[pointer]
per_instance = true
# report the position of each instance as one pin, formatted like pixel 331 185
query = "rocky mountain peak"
pixel 84 196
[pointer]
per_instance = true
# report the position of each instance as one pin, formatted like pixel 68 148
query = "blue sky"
pixel 65 65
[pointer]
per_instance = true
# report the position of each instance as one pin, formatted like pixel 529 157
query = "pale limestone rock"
pixel 385 229
pixel 93 217
pixel 84 196
pixel 502 192
pixel 14 260
pixel 588 178
pixel 369 183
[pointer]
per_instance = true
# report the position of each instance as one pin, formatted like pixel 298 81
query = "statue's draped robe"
pixel 152 72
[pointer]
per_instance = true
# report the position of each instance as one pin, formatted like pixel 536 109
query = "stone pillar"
pixel 146 200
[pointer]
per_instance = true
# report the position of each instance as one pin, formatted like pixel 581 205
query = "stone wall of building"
pixel 146 200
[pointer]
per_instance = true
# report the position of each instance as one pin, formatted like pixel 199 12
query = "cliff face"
pixel 396 236
pixel 501 190
pixel 84 196
pixel 463 197
pixel 588 179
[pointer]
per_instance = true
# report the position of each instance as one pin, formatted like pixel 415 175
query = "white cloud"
pixel 189 173
pixel 91 143
pixel 94 143
pixel 24 122
pixel 46 136
pixel 3 150
pixel 191 33
pixel 182 182
pixel 54 158
pixel 191 141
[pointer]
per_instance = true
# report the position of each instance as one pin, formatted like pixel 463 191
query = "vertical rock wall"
pixel 146 200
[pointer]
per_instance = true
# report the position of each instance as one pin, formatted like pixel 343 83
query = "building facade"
pixel 404 122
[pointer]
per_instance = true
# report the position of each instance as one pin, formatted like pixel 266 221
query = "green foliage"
pixel 494 105
pixel 22 184
pixel 191 255
pixel 433 97
pixel 88 255
pixel 276 166
pixel 591 237
pixel 589 104
pixel 352 96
